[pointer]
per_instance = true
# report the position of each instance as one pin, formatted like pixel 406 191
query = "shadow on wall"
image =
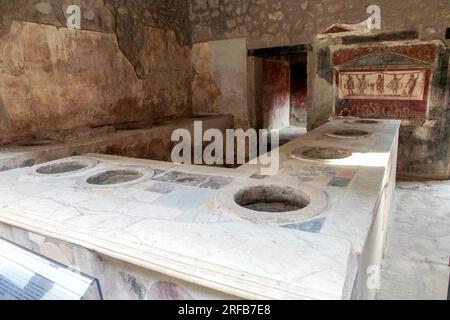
pixel 5 123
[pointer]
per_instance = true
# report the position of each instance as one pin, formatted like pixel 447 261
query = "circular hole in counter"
pixel 362 121
pixel 366 121
pixel 113 177
pixel 274 199
pixel 348 133
pixel 67 166
pixel 272 203
pixel 62 167
pixel 321 153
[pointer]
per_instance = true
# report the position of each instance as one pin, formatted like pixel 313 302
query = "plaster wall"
pixel 55 80
pixel 220 79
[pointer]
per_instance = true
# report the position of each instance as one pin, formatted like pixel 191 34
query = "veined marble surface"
pixel 354 184
pixel 172 224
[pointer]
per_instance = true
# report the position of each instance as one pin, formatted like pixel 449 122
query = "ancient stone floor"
pixel 416 260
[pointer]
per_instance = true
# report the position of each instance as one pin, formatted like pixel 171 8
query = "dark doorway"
pixel 276 102
pixel 283 88
pixel 299 90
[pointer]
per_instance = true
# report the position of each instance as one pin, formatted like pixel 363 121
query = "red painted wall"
pixel 277 91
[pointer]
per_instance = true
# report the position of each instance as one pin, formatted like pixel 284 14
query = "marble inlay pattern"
pixel 339 182
pixel 322 176
pixel 117 176
pixel 194 180
pixel 182 178
pixel 161 188
pixel 216 183
pixel 313 226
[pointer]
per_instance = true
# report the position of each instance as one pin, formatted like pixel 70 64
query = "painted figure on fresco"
pixel 383 85
pixel 362 85
pixel 350 85
pixel 411 85
pixel 380 85
pixel 395 84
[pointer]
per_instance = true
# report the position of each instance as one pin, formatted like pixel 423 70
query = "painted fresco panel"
pixel 385 94
pixel 383 85
pixel 391 82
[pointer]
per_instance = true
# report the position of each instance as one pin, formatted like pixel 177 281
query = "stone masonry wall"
pixel 267 23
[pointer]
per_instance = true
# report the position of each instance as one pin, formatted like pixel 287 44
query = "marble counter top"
pixel 172 223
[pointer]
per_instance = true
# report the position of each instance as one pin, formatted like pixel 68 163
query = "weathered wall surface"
pixel 220 79
pixel 267 23
pixel 95 15
pixel 53 79
pixel 133 18
pixel 58 80
pixel 424 148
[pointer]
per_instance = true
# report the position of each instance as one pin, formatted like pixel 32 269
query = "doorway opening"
pixel 281 81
